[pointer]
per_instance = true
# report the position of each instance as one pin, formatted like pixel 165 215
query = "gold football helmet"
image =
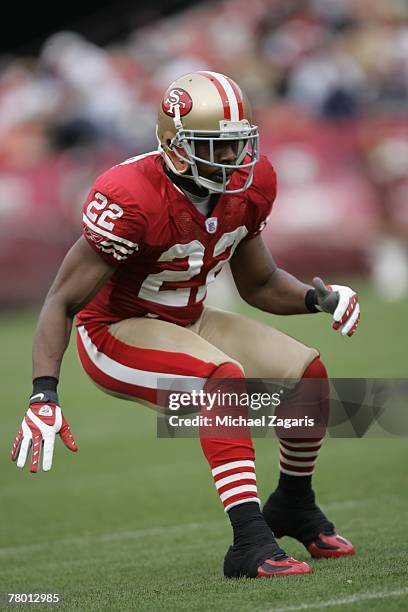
pixel 207 106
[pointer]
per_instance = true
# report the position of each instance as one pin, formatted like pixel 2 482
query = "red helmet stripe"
pixel 238 95
pixel 223 94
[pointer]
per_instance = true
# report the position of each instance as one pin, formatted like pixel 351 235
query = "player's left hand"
pixel 341 302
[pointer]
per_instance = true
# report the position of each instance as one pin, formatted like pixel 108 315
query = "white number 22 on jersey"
pixel 113 211
pixel 194 251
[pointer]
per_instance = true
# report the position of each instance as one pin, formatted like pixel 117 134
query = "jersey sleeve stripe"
pixel 117 247
pixel 102 232
pixel 112 252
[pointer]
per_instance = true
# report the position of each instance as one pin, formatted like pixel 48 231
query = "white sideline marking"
pixel 340 505
pixel 139 533
pixel 343 601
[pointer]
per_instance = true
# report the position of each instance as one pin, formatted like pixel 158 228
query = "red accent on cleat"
pixel 330 546
pixel 286 567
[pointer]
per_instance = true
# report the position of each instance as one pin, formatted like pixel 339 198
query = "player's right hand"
pixel 42 421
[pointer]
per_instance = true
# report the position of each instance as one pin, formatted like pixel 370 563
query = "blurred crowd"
pixel 333 58
pixel 329 82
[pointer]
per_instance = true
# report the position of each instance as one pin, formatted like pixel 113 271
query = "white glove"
pixel 341 302
pixel 40 425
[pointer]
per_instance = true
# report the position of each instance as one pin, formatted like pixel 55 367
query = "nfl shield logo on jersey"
pixel 211 225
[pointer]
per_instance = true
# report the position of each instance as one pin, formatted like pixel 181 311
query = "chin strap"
pixel 203 183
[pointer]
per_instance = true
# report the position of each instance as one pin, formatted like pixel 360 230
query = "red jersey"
pixel 167 251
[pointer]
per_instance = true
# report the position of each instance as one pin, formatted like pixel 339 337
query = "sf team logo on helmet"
pixel 177 97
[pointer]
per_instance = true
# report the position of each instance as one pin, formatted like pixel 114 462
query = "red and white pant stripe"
pixel 298 457
pixel 236 483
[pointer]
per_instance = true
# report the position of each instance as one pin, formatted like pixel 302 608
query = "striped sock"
pixel 236 483
pixel 298 456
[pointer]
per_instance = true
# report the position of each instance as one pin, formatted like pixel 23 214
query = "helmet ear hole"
pixel 180 166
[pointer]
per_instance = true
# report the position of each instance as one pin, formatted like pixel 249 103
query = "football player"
pixel 157 229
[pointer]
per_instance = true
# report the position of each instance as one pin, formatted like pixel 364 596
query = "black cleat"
pixel 264 561
pixel 302 519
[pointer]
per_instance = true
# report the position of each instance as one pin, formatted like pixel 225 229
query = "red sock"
pixel 232 460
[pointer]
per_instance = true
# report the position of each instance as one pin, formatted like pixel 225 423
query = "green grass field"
pixel 134 523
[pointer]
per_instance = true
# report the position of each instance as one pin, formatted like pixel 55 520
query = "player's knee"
pixel 315 369
pixel 320 389
pixel 229 369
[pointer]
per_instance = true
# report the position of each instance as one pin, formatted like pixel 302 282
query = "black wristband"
pixel 47 387
pixel 310 301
